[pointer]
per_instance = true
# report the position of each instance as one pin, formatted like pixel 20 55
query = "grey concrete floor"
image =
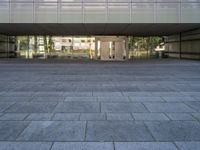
pixel 139 105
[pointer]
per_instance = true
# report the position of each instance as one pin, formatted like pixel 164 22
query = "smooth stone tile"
pixel 78 107
pixel 18 94
pixel 47 99
pixel 25 145
pixel 117 131
pixel 39 116
pixel 9 130
pixel 119 116
pixel 80 99
pixel 168 94
pixel 93 116
pixel 175 130
pixel 146 94
pixel 168 107
pixel 196 116
pixel 122 107
pixel 149 116
pixel 180 116
pixel 188 145
pixel 66 116
pixel 5 105
pixel 145 99
pixel 13 116
pixel 144 146
pixel 114 99
pixel 54 131
pixel 83 146
pixel 106 94
pixel 77 94
pixel 15 99
pixel 178 98
pixel 48 94
pixel 32 107
pixel 194 105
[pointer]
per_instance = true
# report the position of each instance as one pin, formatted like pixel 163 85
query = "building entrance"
pixel 112 48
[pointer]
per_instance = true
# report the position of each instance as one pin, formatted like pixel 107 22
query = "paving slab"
pixel 9 130
pixel 15 99
pixel 144 146
pixel 178 98
pixel 188 145
pixel 5 105
pixel 149 116
pixel 145 99
pixel 13 116
pixel 180 116
pixel 194 105
pixel 32 107
pixel 168 107
pixel 170 131
pixel 119 116
pixel 78 107
pixel 39 116
pixel 122 107
pixel 108 131
pixel 66 116
pixel 83 146
pixel 53 131
pixel 80 99
pixel 25 145
pixel 93 116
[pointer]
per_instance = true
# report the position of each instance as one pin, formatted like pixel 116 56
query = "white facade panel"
pixel 46 12
pixel 95 13
pixel 118 13
pixel 143 12
pixel 4 12
pixel 22 12
pixel 190 13
pixel 70 13
pixel 168 13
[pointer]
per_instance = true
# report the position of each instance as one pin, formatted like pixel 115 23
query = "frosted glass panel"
pixel 190 13
pixel 4 12
pixel 142 12
pixel 70 13
pixel 22 12
pixel 46 13
pixel 95 12
pixel 168 13
pixel 118 13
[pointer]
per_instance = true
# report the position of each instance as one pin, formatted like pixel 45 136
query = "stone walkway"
pixel 139 105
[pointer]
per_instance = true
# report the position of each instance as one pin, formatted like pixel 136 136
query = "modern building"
pixel 108 21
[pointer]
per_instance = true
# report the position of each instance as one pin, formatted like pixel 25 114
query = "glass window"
pixel 142 12
pixel 118 13
pixel 95 12
pixel 22 12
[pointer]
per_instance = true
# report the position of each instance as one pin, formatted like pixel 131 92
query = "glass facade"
pixel 99 11
pixel 55 47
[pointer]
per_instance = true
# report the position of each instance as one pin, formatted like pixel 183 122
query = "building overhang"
pixel 139 29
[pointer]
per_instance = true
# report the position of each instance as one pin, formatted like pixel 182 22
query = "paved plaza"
pixel 138 105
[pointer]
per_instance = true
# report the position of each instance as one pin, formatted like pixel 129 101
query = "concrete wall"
pixel 185 45
pixel 99 11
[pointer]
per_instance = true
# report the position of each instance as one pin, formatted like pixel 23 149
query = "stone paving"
pixel 139 105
